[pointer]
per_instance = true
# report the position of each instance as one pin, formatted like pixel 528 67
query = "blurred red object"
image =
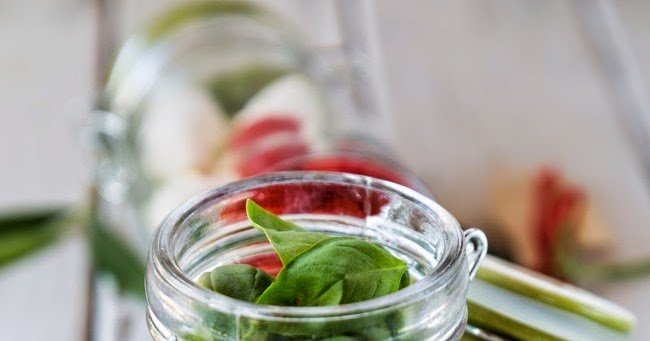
pixel 558 206
pixel 543 218
pixel 354 162
pixel 264 142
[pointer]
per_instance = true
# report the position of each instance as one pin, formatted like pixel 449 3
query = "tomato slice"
pixel 248 133
pixel 257 162
pixel 557 207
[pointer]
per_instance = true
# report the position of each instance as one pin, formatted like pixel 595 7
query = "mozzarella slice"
pixel 173 193
pixel 182 130
pixel 292 95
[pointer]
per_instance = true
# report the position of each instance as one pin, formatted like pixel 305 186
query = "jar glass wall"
pixel 212 92
pixel 212 230
pixel 208 93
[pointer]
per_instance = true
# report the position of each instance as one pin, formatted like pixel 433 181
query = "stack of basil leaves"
pixel 318 270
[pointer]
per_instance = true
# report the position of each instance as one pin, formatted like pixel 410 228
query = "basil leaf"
pixel 25 232
pixel 205 281
pixel 114 256
pixel 289 244
pixel 287 238
pixel 15 244
pixel 384 326
pixel 192 337
pixel 33 218
pixel 170 21
pixel 240 281
pixel 234 88
pixel 263 219
pixel 337 270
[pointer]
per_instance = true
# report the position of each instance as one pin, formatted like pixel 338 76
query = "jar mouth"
pixel 361 162
pixel 166 267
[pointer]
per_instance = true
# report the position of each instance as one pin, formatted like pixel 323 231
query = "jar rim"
pixel 141 56
pixel 410 180
pixel 167 269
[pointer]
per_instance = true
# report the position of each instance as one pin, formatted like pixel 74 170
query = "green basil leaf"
pixel 240 281
pixel 205 281
pixel 405 281
pixel 193 337
pixel 287 238
pixel 387 326
pixel 233 89
pixel 337 270
pixel 289 244
pixel 28 219
pixel 263 219
pixel 114 256
pixel 194 11
pixel 25 232
pixel 16 244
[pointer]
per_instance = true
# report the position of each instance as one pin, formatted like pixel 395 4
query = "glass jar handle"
pixel 476 245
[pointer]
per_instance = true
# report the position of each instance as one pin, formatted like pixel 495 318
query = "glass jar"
pixel 354 160
pixel 165 132
pixel 173 122
pixel 185 101
pixel 212 229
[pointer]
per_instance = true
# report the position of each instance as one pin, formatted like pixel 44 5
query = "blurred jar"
pixel 355 161
pixel 216 91
pixel 208 93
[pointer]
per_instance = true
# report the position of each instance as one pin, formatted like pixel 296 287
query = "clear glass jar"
pixel 212 229
pixel 162 139
pixel 178 92
pixel 354 160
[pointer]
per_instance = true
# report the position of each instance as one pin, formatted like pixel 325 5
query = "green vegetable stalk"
pixel 234 88
pixel 28 232
pixel 23 233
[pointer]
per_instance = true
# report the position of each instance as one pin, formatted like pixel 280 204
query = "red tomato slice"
pixel 250 132
pixel 257 162
pixel 556 208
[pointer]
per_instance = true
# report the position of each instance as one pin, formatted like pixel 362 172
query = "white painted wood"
pixel 478 86
pixel 46 61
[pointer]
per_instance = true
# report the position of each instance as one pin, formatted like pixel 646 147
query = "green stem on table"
pixel 26 232
pixel 111 254
pixel 114 256
pixel 29 218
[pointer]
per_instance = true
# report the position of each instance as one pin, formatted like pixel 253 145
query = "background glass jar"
pixel 212 230
pixel 189 98
pixel 215 91
pixel 208 93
